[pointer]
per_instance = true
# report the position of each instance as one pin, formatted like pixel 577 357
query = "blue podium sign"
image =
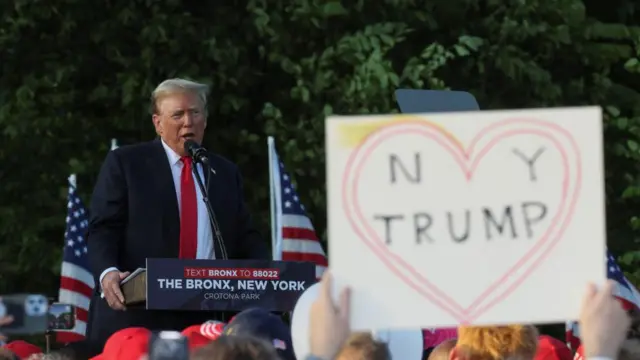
pixel 226 285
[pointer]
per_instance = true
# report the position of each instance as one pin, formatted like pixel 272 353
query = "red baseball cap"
pixel 22 349
pixel 126 344
pixel 552 349
pixel 196 340
pixel 210 329
pixel 202 334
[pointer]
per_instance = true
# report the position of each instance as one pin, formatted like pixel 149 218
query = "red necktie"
pixel 188 211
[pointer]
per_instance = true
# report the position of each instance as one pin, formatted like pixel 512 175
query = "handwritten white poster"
pixel 466 218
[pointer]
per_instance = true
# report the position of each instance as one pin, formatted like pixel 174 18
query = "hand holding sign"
pixel 329 322
pixel 603 322
pixel 450 215
pixel 403 344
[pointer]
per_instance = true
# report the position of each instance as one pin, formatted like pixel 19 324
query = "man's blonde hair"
pixel 497 342
pixel 176 86
pixel 362 346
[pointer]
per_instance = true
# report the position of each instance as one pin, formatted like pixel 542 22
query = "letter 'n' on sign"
pixel 411 173
pixel 444 219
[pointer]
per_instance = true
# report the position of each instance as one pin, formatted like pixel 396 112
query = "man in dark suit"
pixel 146 204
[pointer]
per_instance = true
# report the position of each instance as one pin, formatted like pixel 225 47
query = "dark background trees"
pixel 77 73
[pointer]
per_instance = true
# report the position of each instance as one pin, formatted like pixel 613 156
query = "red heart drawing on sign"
pixel 468 159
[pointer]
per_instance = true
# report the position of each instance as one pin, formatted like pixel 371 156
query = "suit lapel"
pixel 212 180
pixel 158 164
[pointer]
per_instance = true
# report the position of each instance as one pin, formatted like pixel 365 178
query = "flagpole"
pixel 73 180
pixel 276 255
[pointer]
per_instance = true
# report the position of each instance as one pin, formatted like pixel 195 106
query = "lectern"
pixel 218 285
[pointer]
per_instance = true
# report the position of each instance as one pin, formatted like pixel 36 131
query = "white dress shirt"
pixel 205 248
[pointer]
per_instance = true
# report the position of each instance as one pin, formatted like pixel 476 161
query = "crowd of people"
pixel 607 332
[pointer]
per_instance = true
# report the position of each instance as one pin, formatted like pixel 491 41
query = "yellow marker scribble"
pixel 352 134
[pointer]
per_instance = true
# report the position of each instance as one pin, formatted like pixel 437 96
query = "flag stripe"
pixel 70 270
pixel 65 336
pixel 624 292
pixel 297 221
pixel 302 246
pixel 298 234
pixel 320 270
pixel 82 315
pixel 74 298
pixel 68 283
pixel 319 260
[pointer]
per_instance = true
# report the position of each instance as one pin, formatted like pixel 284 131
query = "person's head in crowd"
pixel 264 325
pixel 443 350
pixel 631 346
pixel 23 349
pixel 552 349
pixel 630 350
pixel 362 346
pixel 179 112
pixel 127 344
pixel 75 350
pixel 237 347
pixel 513 342
pixel 6 354
pixel 59 355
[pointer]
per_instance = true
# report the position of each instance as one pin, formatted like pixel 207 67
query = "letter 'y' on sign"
pixel 466 217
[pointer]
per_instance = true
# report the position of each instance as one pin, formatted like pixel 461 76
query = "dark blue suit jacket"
pixel 134 216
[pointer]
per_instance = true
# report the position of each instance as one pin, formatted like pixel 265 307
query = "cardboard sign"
pixel 466 218
pixel 226 285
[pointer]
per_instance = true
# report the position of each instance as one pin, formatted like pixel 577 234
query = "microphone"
pixel 197 152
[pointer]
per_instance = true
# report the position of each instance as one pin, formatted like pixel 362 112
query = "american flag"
pixel 76 282
pixel 624 291
pixel 294 238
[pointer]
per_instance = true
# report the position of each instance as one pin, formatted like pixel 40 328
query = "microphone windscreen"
pixel 190 146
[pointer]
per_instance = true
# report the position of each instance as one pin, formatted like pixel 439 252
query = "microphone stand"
pixel 47 339
pixel 205 198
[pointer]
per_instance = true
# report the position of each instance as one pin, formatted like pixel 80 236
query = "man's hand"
pixel 329 324
pixel 111 289
pixel 603 322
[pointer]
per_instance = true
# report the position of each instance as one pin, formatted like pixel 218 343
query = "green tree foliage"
pixel 77 73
